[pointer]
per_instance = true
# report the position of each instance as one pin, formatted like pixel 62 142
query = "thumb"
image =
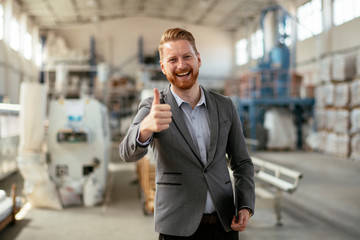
pixel 156 96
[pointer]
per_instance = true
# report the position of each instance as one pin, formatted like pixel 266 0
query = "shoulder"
pixel 220 99
pixel 146 103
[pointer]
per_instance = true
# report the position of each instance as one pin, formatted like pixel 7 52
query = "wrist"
pixel 144 134
pixel 249 210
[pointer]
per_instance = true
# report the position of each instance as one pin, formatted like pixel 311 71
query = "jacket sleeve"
pixel 129 150
pixel 241 165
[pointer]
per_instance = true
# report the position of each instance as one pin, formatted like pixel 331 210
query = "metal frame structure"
pixel 252 111
pixel 272 83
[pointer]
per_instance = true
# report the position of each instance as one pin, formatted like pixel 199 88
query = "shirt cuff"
pixel 249 209
pixel 143 144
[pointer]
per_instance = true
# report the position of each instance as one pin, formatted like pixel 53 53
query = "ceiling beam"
pixel 52 11
pixel 141 6
pixel 76 10
pixel 207 11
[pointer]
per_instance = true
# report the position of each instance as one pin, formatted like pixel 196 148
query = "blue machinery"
pixel 271 83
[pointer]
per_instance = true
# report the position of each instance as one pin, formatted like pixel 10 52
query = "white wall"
pixel 340 39
pixel 14 68
pixel 117 41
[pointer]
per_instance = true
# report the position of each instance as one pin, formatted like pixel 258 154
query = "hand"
pixel 242 223
pixel 157 120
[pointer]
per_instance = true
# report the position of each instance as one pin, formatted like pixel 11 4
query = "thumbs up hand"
pixel 157 120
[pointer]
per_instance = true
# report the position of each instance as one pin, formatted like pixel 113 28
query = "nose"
pixel 181 64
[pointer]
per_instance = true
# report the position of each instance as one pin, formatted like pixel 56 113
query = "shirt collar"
pixel 180 101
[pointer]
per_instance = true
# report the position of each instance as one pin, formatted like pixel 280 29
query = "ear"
pixel 199 59
pixel 162 67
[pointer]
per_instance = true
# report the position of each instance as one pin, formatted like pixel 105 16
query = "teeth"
pixel 183 74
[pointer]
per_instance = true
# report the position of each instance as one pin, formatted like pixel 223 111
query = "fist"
pixel 158 119
pixel 241 224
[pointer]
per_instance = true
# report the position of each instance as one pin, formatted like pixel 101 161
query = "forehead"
pixel 178 47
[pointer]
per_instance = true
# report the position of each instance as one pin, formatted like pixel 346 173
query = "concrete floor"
pixel 325 206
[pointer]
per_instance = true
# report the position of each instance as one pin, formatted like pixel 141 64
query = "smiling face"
pixel 180 64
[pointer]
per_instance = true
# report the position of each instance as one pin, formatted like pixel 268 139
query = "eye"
pixel 187 56
pixel 172 60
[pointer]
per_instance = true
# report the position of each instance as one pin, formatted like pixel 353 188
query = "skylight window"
pixel 345 10
pixel 310 19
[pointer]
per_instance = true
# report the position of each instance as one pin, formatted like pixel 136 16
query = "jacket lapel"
pixel 179 121
pixel 214 125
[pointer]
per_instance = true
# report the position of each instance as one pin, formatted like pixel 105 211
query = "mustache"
pixel 183 70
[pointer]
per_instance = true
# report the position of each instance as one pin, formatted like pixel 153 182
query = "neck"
pixel 191 95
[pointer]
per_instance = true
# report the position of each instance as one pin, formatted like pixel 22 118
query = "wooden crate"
pixel 146 175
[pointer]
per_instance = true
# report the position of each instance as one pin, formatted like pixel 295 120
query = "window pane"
pixel 38 54
pixel 1 21
pixel 337 13
pixel 257 44
pixel 345 10
pixel 310 19
pixel 317 24
pixel 28 46
pixel 357 8
pixel 241 52
pixel 316 5
pixel 14 37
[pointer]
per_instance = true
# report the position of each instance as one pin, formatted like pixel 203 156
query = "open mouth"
pixel 183 74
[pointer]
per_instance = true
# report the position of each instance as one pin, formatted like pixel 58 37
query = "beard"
pixel 183 84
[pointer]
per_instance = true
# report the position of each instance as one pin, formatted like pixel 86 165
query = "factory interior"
pixel 72 75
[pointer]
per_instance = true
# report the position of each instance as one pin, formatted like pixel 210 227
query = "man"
pixel 191 130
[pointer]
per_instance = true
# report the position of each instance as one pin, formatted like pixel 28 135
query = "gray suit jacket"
pixel 182 180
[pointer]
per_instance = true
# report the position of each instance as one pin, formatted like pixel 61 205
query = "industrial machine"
pixel 273 82
pixel 78 140
pixel 274 66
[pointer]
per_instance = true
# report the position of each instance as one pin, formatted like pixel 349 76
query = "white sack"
pixel 38 188
pixel 358 63
pixel 342 146
pixel 281 129
pixel 42 195
pixel 355 148
pixel 342 121
pixel 325 69
pixel 71 191
pixel 32 167
pixel 323 140
pixel 320 116
pixel 320 96
pixel 343 67
pixel 330 119
pixel 2 195
pixel 32 116
pixel 93 191
pixel 355 93
pixel 331 143
pixel 342 95
pixel 329 94
pixel 355 121
pixel 313 141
